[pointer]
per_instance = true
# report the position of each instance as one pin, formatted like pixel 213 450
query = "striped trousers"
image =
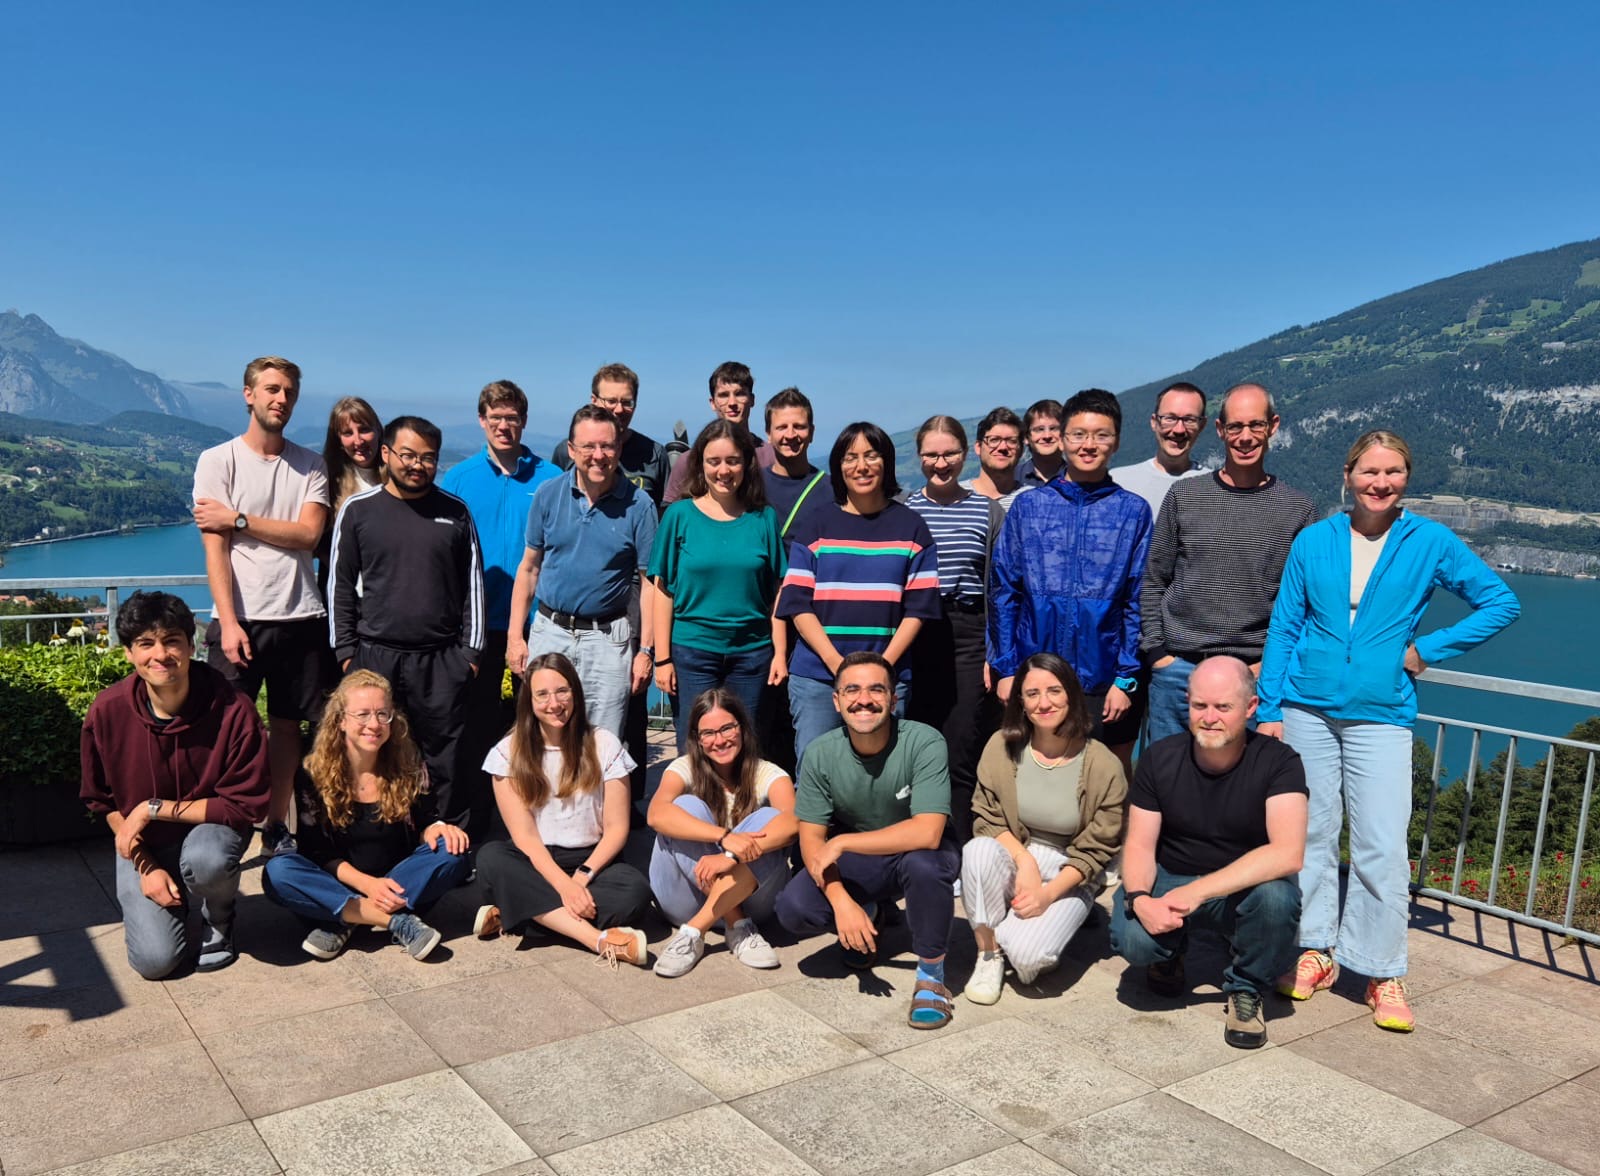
pixel 988 882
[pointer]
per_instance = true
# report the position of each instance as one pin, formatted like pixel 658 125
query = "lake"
pixel 1548 643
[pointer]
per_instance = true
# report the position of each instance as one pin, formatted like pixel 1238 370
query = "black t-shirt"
pixel 369 843
pixel 783 493
pixel 1208 821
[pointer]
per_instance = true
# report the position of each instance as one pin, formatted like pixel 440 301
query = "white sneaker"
pixel 988 975
pixel 750 947
pixel 682 953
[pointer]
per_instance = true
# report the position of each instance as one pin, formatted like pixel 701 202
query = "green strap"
pixel 799 502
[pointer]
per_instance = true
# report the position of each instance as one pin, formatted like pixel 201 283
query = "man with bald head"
pixel 1216 834
pixel 1216 555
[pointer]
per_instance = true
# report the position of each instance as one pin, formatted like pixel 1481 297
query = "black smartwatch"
pixel 1128 900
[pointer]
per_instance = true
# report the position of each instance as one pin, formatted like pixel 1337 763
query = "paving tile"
pixel 1516 1026
pixel 1461 957
pixel 534 1167
pixel 1347 1128
pixel 1466 1153
pixel 389 971
pixel 1158 1044
pixel 76 898
pixel 1560 1125
pixel 872 1007
pixel 1008 1161
pixel 716 1141
pixel 1025 1077
pixel 1512 941
pixel 871 1119
pixel 431 1125
pixel 485 1016
pixel 1290 1020
pixel 318 1056
pixel 631 994
pixel 1158 1135
pixel 1591 1079
pixel 51 1030
pixel 235 1150
pixel 1572 993
pixel 532 1089
pixel 1444 1074
pixel 125 1101
pixel 59 961
pixel 747 1043
pixel 253 992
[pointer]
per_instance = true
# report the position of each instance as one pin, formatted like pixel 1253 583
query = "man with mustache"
pixel 1216 836
pixel 873 804
pixel 261 503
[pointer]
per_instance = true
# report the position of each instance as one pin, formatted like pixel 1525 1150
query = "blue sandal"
pixel 932 1006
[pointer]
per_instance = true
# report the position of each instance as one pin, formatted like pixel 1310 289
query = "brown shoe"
pixel 623 945
pixel 1245 1028
pixel 487 924
pixel 1167 977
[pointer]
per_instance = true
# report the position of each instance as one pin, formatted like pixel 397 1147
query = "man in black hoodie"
pixel 176 759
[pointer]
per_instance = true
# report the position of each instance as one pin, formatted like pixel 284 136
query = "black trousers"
pixel 431 686
pixel 488 718
pixel 947 693
pixel 621 894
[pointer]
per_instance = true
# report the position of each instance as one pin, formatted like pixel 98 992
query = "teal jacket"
pixel 1317 657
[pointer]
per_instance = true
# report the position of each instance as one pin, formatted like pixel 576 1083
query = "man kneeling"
pixel 176 759
pixel 873 803
pixel 1216 833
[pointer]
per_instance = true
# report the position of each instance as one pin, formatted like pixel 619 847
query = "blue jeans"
pixel 673 860
pixel 1169 699
pixel 1261 923
pixel 299 884
pixel 811 707
pixel 745 674
pixel 603 659
pixel 205 865
pixel 926 877
pixel 1365 768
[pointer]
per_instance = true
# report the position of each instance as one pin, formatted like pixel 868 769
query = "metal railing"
pixel 110 587
pixel 1502 874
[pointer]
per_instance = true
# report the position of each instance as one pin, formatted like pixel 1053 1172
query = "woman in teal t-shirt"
pixel 717 564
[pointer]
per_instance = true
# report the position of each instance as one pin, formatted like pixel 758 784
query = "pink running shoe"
pixel 1313 971
pixel 1390 1008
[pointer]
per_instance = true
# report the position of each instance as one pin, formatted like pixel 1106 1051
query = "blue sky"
pixel 902 208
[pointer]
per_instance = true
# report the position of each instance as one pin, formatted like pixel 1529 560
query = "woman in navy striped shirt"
pixel 952 690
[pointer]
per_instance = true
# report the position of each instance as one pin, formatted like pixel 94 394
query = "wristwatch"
pixel 649 651
pixel 1127 901
pixel 241 521
pixel 586 870
pixel 153 807
pixel 1126 685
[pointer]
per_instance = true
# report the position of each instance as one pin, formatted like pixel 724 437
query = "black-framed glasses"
pixel 717 734
pixel 1240 428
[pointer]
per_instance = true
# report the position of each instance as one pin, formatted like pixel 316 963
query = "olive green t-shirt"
pixel 857 794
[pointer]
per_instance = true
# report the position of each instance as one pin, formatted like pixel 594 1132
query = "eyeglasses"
pixel 559 694
pixel 362 718
pixel 615 405
pixel 592 450
pixel 1044 431
pixel 1240 428
pixel 851 460
pixel 514 419
pixel 1168 420
pixel 1079 436
pixel 994 442
pixel 876 690
pixel 408 459
pixel 726 731
pixel 949 458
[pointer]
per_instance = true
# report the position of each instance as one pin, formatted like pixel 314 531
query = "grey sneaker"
pixel 1245 1028
pixel 276 839
pixel 750 947
pixel 325 943
pixel 988 977
pixel 414 935
pixel 682 953
pixel 216 949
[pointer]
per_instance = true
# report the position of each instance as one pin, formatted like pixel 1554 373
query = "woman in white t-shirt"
pixel 723 817
pixel 562 789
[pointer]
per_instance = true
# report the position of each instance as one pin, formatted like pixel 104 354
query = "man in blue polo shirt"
pixel 497 484
pixel 588 541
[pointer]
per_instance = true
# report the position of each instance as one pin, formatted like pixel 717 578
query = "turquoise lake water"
pixel 1552 642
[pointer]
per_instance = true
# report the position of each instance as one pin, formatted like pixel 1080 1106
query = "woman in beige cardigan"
pixel 1047 819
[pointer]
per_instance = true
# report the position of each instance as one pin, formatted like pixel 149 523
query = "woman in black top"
pixel 372 851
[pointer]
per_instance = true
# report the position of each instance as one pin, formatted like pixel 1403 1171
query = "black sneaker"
pixel 1167 977
pixel 276 839
pixel 1245 1028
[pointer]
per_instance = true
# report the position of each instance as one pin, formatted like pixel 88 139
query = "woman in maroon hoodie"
pixel 175 758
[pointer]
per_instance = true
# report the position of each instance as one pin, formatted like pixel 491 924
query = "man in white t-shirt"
pixel 1177 421
pixel 261 503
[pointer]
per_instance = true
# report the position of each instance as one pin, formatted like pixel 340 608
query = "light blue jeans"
pixel 1364 768
pixel 1169 699
pixel 603 659
pixel 673 860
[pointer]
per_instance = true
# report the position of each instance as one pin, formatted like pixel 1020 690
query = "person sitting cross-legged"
pixel 873 806
pixel 1047 820
pixel 372 849
pixel 724 818
pixel 1216 836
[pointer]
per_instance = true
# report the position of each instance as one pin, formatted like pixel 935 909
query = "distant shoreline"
pixel 130 529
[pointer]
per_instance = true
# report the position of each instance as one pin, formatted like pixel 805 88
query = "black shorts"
pixel 1125 729
pixel 292 657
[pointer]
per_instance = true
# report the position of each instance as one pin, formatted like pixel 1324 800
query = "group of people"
pixel 877 695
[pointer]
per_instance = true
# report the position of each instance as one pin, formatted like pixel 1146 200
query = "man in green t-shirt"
pixel 873 804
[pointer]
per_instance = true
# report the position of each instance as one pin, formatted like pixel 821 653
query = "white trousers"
pixel 988 883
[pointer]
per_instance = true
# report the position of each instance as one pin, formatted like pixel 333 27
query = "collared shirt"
pixel 593 553
pixel 499 504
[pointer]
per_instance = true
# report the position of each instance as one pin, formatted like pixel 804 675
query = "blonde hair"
pixel 1374 439
pixel 255 367
pixel 400 770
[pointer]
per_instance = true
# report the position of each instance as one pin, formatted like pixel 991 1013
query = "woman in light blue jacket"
pixel 1337 684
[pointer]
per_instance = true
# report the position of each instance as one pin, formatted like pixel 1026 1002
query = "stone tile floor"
pixel 525 1057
